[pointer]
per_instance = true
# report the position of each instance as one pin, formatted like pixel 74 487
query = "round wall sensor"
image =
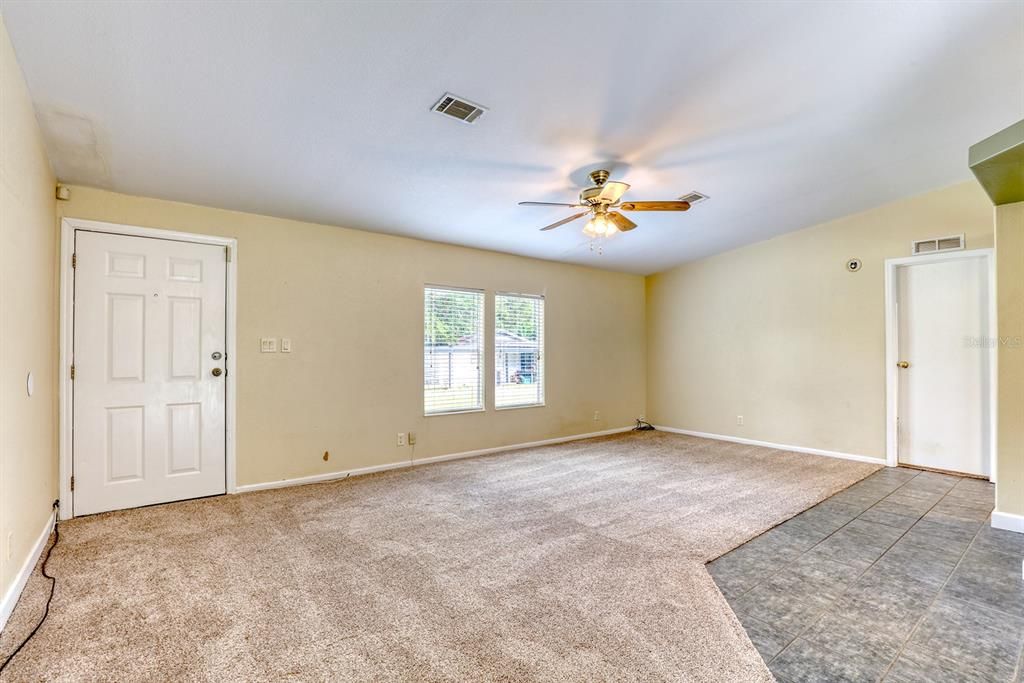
pixel 853 265
pixel 30 385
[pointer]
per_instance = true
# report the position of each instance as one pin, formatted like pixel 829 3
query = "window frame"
pixel 482 369
pixel 541 351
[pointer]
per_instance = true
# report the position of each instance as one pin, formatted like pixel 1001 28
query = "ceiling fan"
pixel 600 202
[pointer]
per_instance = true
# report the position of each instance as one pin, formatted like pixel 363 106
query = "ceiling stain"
pixel 78 149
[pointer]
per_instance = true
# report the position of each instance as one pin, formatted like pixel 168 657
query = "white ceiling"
pixel 786 113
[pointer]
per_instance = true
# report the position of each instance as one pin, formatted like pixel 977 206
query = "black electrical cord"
pixel 642 426
pixel 53 586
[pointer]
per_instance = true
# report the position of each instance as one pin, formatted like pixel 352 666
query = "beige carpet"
pixel 577 562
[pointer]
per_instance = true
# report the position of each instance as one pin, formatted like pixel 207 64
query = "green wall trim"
pixel 998 164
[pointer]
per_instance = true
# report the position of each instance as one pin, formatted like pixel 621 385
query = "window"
pixel 518 350
pixel 453 350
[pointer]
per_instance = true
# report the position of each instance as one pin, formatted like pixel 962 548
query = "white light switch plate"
pixel 286 345
pixel 268 344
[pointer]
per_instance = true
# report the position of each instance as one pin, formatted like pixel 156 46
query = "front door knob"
pixel 903 365
pixel 217 372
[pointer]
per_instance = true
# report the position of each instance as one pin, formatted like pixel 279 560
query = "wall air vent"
pixel 930 246
pixel 693 197
pixel 459 108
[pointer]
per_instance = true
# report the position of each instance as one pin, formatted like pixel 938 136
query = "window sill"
pixel 456 412
pixel 520 407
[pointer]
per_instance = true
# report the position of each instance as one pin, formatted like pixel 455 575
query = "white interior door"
pixel 149 383
pixel 943 406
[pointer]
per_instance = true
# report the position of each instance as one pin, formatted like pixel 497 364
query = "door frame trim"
pixel 68 226
pixel 892 345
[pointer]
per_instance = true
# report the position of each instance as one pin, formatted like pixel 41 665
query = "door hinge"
pixel 72 482
pixel 72 371
pixel 74 260
pixel 227 254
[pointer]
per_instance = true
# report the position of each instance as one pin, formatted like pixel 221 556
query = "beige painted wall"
pixel 28 479
pixel 1010 288
pixel 352 304
pixel 780 333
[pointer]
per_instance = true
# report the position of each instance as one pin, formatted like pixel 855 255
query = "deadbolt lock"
pixel 217 372
pixel 903 365
pixel 216 355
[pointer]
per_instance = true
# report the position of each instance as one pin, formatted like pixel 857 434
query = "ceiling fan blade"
pixel 570 219
pixel 547 204
pixel 613 190
pixel 654 206
pixel 620 221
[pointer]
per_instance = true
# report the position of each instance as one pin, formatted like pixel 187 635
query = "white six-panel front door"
pixel 149 385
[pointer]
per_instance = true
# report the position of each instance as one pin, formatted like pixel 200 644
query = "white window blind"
pixel 453 350
pixel 518 350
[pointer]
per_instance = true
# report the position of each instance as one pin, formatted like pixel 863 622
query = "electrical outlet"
pixel 739 420
pixel 401 438
pixel 412 438
pixel 597 416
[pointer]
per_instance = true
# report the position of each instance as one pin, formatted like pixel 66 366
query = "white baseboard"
pixel 777 446
pixel 1008 521
pixel 330 476
pixel 21 578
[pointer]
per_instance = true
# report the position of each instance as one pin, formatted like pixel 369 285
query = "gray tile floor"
pixel 898 578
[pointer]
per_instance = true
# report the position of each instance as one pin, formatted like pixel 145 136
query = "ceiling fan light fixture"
pixel 602 202
pixel 599 226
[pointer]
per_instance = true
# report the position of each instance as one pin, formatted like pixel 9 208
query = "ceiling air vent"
pixel 459 108
pixel 693 197
pixel 930 246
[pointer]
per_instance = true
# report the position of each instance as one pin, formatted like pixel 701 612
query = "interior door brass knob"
pixel 217 372
pixel 903 365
